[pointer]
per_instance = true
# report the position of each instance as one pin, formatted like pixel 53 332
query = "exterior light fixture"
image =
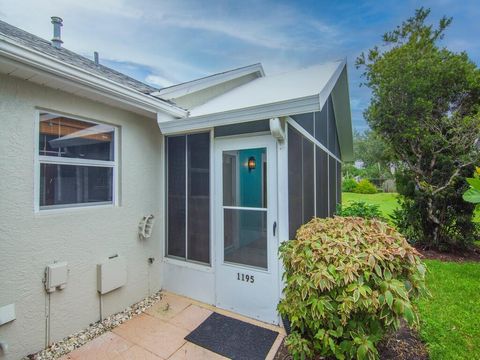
pixel 252 164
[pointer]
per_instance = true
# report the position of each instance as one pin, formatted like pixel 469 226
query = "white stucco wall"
pixel 82 237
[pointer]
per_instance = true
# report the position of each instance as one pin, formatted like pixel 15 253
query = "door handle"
pixel 274 227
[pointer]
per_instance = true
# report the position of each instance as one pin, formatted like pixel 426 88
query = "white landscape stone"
pixel 80 338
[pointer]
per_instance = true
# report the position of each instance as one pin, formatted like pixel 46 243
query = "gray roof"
pixel 69 57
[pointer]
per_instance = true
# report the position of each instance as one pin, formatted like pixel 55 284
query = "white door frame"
pixel 260 298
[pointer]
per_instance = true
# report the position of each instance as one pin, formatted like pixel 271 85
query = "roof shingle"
pixel 69 57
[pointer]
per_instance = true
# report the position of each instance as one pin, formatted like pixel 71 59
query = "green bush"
pixel 360 209
pixel 456 229
pixel 348 281
pixel 364 186
pixel 349 185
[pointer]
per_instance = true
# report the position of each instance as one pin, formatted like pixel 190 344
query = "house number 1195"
pixel 246 278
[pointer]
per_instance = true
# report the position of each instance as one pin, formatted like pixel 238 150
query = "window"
pixel 245 207
pixel 77 162
pixel 188 197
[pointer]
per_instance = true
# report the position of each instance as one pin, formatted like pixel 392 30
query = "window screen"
pixel 314 177
pixel 321 183
pixel 308 168
pixel 242 128
pixel 305 121
pixel 321 125
pixel 188 204
pixel 176 199
pixel 73 184
pixel 332 128
pixel 339 182
pixel 332 175
pixel 199 197
pixel 295 182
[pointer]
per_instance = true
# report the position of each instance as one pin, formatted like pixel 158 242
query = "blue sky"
pixel 166 42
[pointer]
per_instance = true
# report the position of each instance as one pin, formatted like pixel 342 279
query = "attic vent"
pixel 57 33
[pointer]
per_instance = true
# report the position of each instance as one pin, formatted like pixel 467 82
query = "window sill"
pixel 73 209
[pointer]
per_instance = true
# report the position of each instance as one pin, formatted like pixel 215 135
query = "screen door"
pixel 246 240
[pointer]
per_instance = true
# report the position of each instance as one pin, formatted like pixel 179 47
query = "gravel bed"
pixel 80 338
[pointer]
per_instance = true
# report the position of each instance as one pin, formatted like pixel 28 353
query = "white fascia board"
pixel 176 91
pixel 267 111
pixel 343 116
pixel 50 66
pixel 328 88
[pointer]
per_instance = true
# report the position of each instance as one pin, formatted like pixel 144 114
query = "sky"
pixel 168 42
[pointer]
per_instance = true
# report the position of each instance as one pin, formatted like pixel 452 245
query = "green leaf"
pixel 421 269
pixel 408 314
pixel 320 334
pixel 352 287
pixel 362 352
pixel 474 182
pixel 356 295
pixel 389 298
pixel 388 275
pixel 398 307
pixel 378 270
pixel 472 196
pixel 331 343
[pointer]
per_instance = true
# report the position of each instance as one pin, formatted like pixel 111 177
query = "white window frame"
pixel 44 159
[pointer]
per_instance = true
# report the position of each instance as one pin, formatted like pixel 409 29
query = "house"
pixel 229 165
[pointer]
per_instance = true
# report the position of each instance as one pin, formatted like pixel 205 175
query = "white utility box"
pixel 111 274
pixel 56 276
pixel 7 313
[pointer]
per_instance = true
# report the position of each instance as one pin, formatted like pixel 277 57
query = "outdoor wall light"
pixel 251 163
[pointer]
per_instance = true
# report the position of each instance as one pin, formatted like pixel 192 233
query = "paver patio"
pixel 159 334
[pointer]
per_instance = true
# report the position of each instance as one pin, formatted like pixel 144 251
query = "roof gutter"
pixel 30 58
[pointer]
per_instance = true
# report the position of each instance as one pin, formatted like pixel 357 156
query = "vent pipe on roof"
pixel 95 58
pixel 57 36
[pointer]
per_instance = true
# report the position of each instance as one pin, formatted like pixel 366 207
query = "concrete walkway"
pixel 159 334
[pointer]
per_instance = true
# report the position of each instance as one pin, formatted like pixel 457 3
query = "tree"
pixel 426 105
pixel 375 154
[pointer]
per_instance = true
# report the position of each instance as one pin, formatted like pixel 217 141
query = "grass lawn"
pixel 387 202
pixel 450 319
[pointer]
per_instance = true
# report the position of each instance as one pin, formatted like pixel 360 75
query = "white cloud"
pixel 169 36
pixel 266 24
pixel 157 80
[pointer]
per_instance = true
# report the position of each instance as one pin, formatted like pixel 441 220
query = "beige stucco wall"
pixel 82 237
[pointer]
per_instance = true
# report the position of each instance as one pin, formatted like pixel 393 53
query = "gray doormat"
pixel 233 338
